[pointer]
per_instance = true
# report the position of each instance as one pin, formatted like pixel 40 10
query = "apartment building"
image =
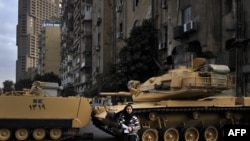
pixel 31 13
pixel 194 31
pixel 50 47
pixel 102 34
pixel 66 41
pixel 76 44
pixel 216 30
pixel 127 15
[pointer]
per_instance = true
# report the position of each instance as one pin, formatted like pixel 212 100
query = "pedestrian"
pixel 129 124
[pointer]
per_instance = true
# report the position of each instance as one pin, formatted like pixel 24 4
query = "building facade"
pixel 102 50
pixel 66 42
pixel 215 30
pixel 76 46
pixel 50 46
pixel 31 14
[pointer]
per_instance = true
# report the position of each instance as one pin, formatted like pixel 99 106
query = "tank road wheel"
pixel 210 133
pixel 21 134
pixel 148 134
pixel 4 134
pixel 39 134
pixel 170 134
pixel 55 133
pixel 191 134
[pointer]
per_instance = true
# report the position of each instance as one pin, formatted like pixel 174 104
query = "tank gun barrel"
pixel 115 94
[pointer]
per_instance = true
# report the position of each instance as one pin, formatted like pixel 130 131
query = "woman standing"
pixel 129 124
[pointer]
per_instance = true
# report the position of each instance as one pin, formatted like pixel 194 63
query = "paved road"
pixel 97 134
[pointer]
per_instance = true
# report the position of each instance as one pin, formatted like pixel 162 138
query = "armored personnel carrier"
pixel 34 114
pixel 187 103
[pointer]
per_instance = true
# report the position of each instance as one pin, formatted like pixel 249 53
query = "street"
pixel 97 134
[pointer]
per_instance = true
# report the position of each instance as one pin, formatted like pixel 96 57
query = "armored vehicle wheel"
pixel 21 134
pixel 148 134
pixel 39 134
pixel 55 133
pixel 4 134
pixel 190 134
pixel 210 133
pixel 170 134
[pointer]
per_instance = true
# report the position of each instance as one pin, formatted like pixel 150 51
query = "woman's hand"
pixel 130 129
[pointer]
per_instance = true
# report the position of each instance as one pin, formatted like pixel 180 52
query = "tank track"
pixel 105 128
pixel 68 138
pixel 65 137
pixel 218 110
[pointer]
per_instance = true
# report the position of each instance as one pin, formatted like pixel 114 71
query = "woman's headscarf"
pixel 128 116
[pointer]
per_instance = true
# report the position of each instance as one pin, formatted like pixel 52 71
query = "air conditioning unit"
pixel 83 64
pixel 118 8
pixel 119 35
pixel 97 48
pixel 159 46
pixel 190 26
pixel 164 5
pixel 96 69
pixel 162 45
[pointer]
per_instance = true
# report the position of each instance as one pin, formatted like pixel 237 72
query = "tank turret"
pixel 198 81
pixel 183 83
pixel 186 103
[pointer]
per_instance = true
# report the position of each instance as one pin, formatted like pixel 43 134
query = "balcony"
pixel 98 21
pixel 86 15
pixel 97 48
pixel 118 8
pixel 119 35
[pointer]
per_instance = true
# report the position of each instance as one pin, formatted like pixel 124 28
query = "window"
pixel 99 39
pixel 87 8
pixel 187 15
pixel 136 23
pixel 228 6
pixel 164 4
pixel 165 34
pixel 120 27
pixel 98 62
pixel 120 2
pixel 135 4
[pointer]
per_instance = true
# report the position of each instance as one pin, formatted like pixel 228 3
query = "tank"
pixel 187 103
pixel 40 114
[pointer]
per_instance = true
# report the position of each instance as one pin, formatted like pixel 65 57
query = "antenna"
pixel 192 61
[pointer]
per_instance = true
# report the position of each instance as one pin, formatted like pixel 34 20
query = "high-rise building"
pixel 49 58
pixel 31 14
pixel 76 44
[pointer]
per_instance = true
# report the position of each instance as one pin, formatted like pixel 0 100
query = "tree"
pixel 68 91
pixel 23 83
pixel 47 77
pixel 8 86
pixel 137 59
